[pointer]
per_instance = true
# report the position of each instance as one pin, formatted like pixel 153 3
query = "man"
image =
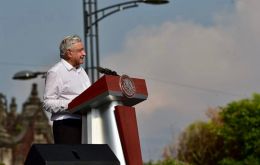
pixel 64 81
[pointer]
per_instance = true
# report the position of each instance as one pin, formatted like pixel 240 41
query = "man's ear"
pixel 68 54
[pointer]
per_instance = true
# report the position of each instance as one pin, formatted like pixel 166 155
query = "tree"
pixel 241 131
pixel 166 162
pixel 200 144
pixel 231 137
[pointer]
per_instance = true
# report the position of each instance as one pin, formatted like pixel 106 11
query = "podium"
pixel 108 115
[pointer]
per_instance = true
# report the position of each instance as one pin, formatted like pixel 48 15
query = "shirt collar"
pixel 69 67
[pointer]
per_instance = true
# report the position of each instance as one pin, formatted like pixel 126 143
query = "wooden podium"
pixel 108 116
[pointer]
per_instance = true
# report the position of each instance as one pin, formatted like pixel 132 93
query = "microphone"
pixel 106 71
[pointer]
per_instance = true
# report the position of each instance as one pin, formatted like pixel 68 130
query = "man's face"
pixel 77 54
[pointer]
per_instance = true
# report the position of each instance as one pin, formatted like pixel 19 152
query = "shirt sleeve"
pixel 51 98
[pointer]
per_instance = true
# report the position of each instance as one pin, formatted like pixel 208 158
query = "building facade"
pixel 19 130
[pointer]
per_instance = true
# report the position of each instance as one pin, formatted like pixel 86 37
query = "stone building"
pixel 19 130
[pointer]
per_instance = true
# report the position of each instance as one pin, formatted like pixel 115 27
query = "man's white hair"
pixel 67 43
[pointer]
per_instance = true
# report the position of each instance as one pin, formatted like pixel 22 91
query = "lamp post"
pixel 25 75
pixel 92 15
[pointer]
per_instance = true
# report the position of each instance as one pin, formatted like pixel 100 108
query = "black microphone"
pixel 106 71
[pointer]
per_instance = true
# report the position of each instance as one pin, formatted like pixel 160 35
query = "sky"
pixel 194 55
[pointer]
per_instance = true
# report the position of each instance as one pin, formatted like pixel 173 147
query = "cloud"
pixel 190 67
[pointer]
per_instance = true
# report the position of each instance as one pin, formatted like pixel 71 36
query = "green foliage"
pixel 251 160
pixel 231 137
pixel 241 131
pixel 166 162
pixel 200 144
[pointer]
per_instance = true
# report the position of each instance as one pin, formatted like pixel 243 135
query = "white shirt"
pixel 63 83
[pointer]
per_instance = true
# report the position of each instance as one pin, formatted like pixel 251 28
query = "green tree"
pixel 166 162
pixel 241 131
pixel 200 144
pixel 230 137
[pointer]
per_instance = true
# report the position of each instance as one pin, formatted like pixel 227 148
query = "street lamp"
pixel 155 2
pixel 92 15
pixel 25 75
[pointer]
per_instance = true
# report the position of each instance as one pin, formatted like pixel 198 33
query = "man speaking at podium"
pixel 64 81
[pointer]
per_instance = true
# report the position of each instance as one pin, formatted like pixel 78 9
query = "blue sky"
pixel 193 55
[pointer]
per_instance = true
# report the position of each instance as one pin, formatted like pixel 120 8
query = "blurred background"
pixel 193 55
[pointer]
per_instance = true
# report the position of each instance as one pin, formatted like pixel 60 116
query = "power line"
pixel 196 87
pixel 21 64
pixel 151 78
